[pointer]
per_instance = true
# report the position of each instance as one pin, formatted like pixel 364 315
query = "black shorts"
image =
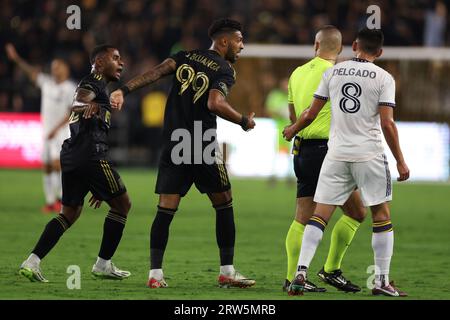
pixel 178 179
pixel 307 164
pixel 96 176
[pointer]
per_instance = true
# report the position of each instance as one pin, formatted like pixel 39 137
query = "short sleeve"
pixel 177 57
pixel 91 85
pixel 387 93
pixel 323 91
pixel 290 94
pixel 42 79
pixel 224 81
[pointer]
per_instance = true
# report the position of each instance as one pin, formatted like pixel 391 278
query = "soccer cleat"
pixel 153 283
pixel 109 272
pixel 286 285
pixel 34 274
pixel 297 286
pixel 48 208
pixel 235 280
pixel 337 280
pixel 57 206
pixel 309 287
pixel 390 290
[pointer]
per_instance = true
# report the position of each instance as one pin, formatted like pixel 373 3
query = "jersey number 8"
pixel 350 103
pixel 187 76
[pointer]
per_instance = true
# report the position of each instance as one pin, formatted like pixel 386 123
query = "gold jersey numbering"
pixel 187 76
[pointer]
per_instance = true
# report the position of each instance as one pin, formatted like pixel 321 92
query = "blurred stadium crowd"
pixel 148 31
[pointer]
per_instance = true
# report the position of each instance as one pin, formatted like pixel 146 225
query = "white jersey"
pixel 56 101
pixel 356 89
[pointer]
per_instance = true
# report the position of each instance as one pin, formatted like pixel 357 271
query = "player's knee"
pixel 358 214
pixel 127 206
pixel 71 214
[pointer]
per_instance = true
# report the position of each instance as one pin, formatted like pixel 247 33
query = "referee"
pixel 310 148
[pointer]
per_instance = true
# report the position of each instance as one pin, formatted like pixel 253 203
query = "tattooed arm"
pixel 165 68
pixel 83 103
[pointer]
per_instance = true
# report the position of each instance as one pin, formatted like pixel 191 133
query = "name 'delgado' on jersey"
pixel 354 72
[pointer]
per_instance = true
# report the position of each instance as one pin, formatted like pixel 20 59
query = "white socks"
pixel 56 184
pixel 156 273
pixel 227 270
pixel 311 239
pixel 49 191
pixel 52 187
pixel 102 263
pixel 33 260
pixel 383 247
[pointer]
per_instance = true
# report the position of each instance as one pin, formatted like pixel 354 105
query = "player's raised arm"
pixel 391 135
pixel 218 105
pixel 305 119
pixel 163 69
pixel 12 54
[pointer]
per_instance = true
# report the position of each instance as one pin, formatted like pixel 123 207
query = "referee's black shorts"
pixel 96 176
pixel 307 164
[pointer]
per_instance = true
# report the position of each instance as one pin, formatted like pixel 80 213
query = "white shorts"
pixel 338 179
pixel 52 148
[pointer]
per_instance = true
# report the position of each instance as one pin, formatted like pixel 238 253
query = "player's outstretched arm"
pixel 305 119
pixel 12 54
pixel 163 69
pixel 218 105
pixel 391 135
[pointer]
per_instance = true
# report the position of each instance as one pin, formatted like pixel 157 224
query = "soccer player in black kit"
pixel 202 79
pixel 85 168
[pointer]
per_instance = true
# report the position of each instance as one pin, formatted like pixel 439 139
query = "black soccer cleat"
pixel 308 287
pixel 337 280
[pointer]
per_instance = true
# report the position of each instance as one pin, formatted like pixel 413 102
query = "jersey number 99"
pixel 187 77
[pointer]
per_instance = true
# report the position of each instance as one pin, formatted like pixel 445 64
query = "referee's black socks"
pixel 112 233
pixel 225 232
pixel 51 234
pixel 159 236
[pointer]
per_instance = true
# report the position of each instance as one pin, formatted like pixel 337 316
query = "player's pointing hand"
pixel 11 52
pixel 116 99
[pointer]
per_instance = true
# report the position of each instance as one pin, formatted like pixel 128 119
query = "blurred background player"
pixel 57 92
pixel 362 99
pixel 201 84
pixel 310 148
pixel 85 167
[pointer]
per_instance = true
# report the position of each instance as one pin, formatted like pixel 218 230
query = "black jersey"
pixel 197 73
pixel 88 137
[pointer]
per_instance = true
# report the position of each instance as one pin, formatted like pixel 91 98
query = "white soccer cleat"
pixel 31 272
pixel 110 271
pixel 235 280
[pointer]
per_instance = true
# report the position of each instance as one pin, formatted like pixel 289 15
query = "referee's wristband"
pixel 125 90
pixel 244 123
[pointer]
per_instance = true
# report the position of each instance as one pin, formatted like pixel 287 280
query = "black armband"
pixel 125 90
pixel 244 123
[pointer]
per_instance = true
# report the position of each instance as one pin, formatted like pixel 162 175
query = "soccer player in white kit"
pixel 362 101
pixel 57 93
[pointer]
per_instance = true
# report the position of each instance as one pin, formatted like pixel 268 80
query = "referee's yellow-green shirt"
pixel 303 84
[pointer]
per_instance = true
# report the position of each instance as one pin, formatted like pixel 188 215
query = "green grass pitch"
pixel 420 266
